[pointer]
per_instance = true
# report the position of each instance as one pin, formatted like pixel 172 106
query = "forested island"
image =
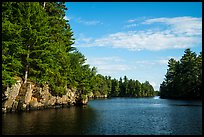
pixel 40 67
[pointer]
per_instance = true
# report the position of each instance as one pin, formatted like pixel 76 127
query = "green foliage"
pixel 115 88
pixel 84 97
pixel 11 63
pixel 184 77
pixel 37 45
pixel 123 88
pixel 38 40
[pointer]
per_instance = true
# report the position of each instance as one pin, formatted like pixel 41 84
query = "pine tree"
pixel 11 45
pixel 183 77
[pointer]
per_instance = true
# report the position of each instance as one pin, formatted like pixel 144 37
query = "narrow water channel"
pixel 115 116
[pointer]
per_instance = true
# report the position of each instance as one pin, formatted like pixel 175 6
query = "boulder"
pixel 15 106
pixel 52 101
pixel 33 102
pixel 58 100
pixel 64 99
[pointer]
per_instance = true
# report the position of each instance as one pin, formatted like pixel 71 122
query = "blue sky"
pixel 135 39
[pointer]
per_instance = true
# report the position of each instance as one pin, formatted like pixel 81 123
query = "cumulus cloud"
pixel 180 33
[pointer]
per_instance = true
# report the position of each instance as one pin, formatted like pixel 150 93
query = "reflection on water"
pixel 115 116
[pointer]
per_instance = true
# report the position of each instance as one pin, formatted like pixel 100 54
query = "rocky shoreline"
pixel 29 96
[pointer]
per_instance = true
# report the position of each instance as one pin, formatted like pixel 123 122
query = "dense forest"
pixel 37 46
pixel 183 79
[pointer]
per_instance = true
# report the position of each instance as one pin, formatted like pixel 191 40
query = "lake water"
pixel 115 116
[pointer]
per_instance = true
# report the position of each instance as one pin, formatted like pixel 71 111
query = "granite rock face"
pixel 11 94
pixel 22 97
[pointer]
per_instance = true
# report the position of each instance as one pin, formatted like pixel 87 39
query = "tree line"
pixel 183 79
pixel 37 45
pixel 124 87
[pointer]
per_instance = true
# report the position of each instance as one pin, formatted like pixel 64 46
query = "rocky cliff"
pixel 29 96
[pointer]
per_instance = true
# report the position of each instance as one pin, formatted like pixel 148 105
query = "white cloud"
pixel 145 62
pixel 154 85
pixel 180 25
pixel 67 18
pixel 131 20
pixel 82 39
pixel 131 25
pixel 144 41
pixel 163 61
pixel 136 19
pixel 182 32
pixel 87 22
pixel 108 65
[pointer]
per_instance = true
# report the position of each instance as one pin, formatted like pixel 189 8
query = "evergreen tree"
pixel 11 45
pixel 184 77
pixel 115 88
pixel 137 89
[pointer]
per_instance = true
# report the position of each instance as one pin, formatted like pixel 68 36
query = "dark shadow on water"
pixel 60 121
